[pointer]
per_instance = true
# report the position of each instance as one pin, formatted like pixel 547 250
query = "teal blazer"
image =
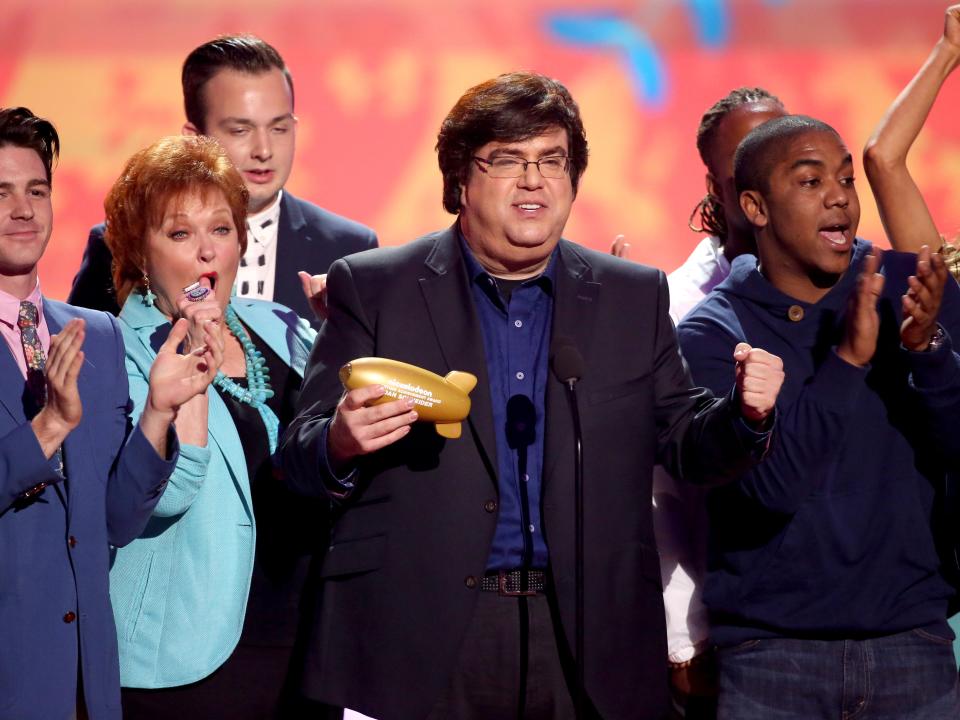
pixel 179 591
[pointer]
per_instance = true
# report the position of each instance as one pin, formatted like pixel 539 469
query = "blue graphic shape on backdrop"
pixel 711 21
pixel 644 65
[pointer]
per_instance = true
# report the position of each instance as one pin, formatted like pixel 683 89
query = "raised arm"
pixel 905 215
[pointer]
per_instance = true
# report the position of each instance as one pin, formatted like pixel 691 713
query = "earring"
pixel 148 296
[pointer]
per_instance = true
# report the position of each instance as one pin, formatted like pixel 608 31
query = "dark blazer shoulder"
pixel 330 225
pixel 310 238
pixel 414 253
pixel 93 283
pixel 604 268
pixel 389 281
pixel 97 233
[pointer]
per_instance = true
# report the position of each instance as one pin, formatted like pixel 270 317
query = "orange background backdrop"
pixel 374 79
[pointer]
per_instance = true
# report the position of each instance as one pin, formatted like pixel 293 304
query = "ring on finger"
pixel 196 292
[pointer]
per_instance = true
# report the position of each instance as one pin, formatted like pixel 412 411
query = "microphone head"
pixel 565 360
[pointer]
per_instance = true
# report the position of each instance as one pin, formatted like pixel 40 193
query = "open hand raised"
pixel 175 378
pixel 921 303
pixel 863 322
pixel 63 409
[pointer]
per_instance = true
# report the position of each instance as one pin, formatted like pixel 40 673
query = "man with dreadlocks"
pixel 679 512
pixel 722 127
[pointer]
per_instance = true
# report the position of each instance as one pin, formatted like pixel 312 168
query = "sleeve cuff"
pixel 154 465
pixel 837 383
pixel 757 442
pixel 934 369
pixel 194 460
pixel 34 468
pixel 341 486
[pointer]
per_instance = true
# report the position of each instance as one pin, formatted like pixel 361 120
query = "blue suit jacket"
pixel 56 547
pixel 180 590
pixel 309 238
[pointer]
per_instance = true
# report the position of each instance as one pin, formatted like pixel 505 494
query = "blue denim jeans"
pixel 907 676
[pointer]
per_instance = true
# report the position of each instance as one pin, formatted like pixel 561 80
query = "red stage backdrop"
pixel 374 80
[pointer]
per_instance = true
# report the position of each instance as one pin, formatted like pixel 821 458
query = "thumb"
pixel 741 351
pixel 305 282
pixel 176 336
pixel 620 247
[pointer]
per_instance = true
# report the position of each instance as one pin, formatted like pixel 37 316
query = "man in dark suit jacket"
pixel 448 588
pixel 238 90
pixel 75 477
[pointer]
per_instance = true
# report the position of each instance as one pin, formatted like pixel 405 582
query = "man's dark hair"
pixel 712 219
pixel 21 128
pixel 760 150
pixel 510 108
pixel 243 53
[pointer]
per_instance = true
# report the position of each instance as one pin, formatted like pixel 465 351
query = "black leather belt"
pixel 515 582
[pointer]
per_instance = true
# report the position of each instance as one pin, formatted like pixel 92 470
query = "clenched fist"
pixel 759 378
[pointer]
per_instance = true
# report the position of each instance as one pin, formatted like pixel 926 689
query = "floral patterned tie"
pixel 32 351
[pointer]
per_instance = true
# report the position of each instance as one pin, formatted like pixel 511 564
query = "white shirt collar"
pixel 258 224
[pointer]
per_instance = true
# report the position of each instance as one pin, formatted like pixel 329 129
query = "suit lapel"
pixel 446 291
pixel 277 334
pixel 574 318
pixel 12 389
pixel 223 433
pixel 150 326
pixel 77 445
pixel 152 329
pixel 291 249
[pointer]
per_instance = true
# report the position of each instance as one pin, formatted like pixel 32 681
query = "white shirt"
pixel 679 508
pixel 258 266
pixel 700 273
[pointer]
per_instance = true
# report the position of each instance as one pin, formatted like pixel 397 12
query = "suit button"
pixel 69 617
pixel 35 490
pixel 72 541
pixel 490 505
pixel 470 581
pixel 795 313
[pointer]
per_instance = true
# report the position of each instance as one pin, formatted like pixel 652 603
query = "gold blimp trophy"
pixel 444 401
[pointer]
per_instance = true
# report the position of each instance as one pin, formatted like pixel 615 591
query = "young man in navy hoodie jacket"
pixel 825 587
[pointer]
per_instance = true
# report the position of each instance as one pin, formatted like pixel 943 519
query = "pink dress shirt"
pixel 9 312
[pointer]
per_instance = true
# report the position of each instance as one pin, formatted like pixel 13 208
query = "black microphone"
pixel 567 364
pixel 566 361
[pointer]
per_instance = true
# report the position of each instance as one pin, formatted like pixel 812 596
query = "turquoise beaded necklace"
pixel 258 388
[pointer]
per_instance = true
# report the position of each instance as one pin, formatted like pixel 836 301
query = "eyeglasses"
pixel 554 166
